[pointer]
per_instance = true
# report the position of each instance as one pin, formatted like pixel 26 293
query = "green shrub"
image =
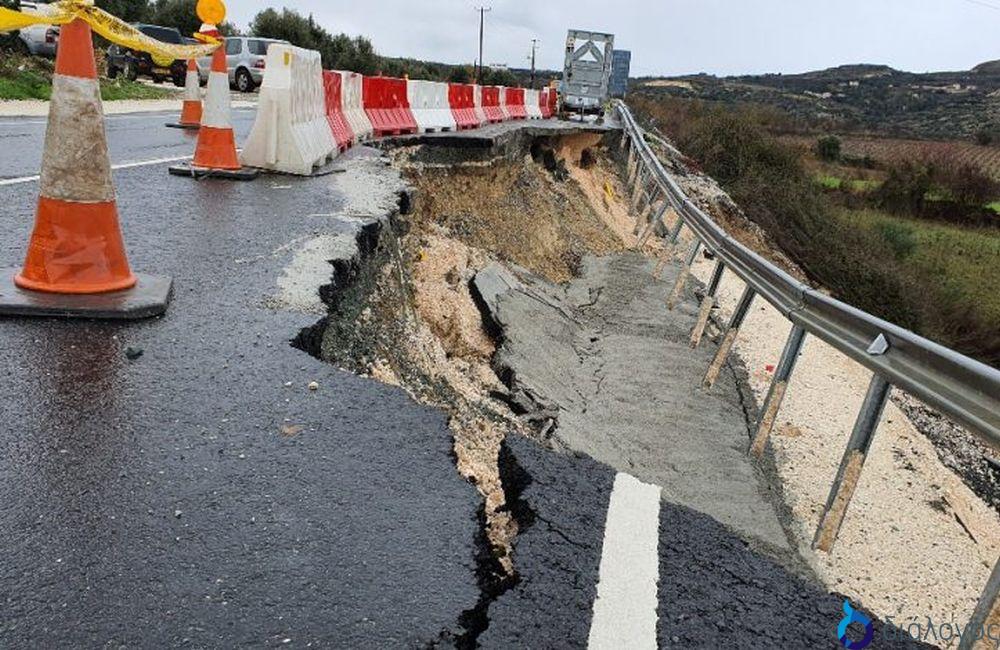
pixel 829 148
pixel 899 237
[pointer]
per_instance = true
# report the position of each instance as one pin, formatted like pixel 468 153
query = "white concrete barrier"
pixel 291 133
pixel 352 98
pixel 477 93
pixel 532 105
pixel 430 106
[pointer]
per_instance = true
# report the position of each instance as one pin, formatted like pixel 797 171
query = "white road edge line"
pixel 128 165
pixel 625 610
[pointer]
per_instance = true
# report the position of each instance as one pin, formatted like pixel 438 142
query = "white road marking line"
pixel 626 605
pixel 128 165
pixel 113 117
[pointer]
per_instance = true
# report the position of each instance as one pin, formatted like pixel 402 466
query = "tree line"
pixel 339 51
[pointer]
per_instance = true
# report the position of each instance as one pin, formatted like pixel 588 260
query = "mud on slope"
pixel 410 320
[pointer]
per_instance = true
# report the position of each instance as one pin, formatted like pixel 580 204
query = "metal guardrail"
pixel 966 390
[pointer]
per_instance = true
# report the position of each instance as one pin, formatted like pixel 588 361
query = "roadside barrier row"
pixel 308 115
pixel 962 388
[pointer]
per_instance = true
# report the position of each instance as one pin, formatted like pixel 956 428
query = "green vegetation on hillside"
pixel 934 278
pixel 865 99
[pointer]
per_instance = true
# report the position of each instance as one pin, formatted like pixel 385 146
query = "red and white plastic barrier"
pixel 291 133
pixel 503 103
pixel 387 106
pixel 333 83
pixel 462 98
pixel 430 106
pixel 493 104
pixel 514 103
pixel 531 106
pixel 352 98
pixel 543 103
pixel 477 99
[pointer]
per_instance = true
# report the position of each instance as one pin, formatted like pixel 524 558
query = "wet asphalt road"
pixel 131 138
pixel 189 497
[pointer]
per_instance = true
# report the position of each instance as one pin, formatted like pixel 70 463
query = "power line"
pixel 482 23
pixel 534 50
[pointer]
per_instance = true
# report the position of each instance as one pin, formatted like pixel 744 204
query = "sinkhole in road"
pixel 403 312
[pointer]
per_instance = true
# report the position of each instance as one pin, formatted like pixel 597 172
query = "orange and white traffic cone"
pixel 191 110
pixel 215 154
pixel 76 263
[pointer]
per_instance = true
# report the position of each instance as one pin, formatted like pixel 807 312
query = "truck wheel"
pixel 130 72
pixel 180 82
pixel 244 82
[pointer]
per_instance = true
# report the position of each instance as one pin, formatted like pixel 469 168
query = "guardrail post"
pixel 667 251
pixel 742 308
pixel 987 614
pixel 637 187
pixel 650 227
pixel 852 464
pixel 707 303
pixel 642 205
pixel 775 395
pixel 676 232
pixel 631 163
pixel 682 276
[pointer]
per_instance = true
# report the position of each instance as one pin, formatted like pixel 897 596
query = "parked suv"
pixel 246 58
pixel 133 64
pixel 38 40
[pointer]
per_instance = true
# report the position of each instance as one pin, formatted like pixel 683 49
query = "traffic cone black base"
pixel 190 171
pixel 148 298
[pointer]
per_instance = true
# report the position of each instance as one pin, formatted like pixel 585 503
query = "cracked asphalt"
pixel 176 483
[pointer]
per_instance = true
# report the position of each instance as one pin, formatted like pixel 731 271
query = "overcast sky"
pixel 721 37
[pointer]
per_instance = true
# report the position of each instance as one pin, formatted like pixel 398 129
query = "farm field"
pixel 956 267
pixel 894 151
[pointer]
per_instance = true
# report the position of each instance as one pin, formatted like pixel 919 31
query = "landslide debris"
pixel 414 321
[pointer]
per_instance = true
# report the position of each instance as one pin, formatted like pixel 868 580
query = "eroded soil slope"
pixel 414 322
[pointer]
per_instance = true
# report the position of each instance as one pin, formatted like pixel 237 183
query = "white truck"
pixel 589 56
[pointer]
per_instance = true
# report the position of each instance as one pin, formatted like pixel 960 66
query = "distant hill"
pixel 990 67
pixel 861 98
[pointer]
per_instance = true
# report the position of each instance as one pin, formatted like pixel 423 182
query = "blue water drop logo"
pixel 852 615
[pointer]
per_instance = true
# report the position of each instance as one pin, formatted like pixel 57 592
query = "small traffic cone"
pixel 76 263
pixel 191 111
pixel 215 154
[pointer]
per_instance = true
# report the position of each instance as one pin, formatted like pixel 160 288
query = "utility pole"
pixel 482 21
pixel 534 49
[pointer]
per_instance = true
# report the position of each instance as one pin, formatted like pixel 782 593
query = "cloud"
pixel 674 36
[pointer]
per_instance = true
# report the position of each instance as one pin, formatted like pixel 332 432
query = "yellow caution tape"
pixel 114 29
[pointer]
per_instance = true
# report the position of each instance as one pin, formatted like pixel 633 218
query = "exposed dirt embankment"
pixel 524 212
pixel 413 321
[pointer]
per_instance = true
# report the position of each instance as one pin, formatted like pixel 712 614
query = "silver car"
pixel 246 57
pixel 38 40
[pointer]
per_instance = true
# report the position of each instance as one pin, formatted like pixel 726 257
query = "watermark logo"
pixel 852 615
